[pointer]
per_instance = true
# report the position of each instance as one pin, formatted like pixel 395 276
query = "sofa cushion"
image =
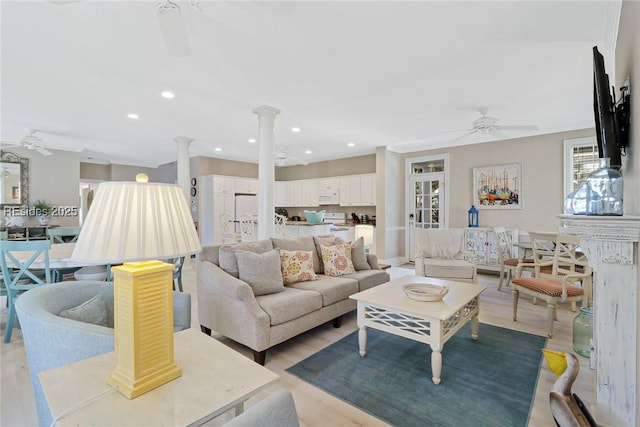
pixel 332 289
pixel 358 255
pixel 290 304
pixel 369 278
pixel 211 254
pixel 93 311
pixel 261 271
pixel 297 266
pixel 227 256
pixel 327 240
pixel 337 259
pixel 452 269
pixel 304 243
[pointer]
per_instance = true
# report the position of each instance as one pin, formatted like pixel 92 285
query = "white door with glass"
pixel 427 201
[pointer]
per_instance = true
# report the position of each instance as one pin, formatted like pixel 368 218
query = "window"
pixel 580 159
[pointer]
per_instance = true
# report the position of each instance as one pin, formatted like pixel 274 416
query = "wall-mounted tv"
pixel 612 120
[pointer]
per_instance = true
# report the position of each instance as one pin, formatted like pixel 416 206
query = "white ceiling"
pixel 374 73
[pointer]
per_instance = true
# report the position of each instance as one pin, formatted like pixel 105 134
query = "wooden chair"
pixel 560 285
pixel 247 228
pixel 229 235
pixel 63 234
pixel 16 275
pixel 280 222
pixel 508 263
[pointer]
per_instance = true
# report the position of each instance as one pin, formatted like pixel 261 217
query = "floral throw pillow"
pixel 297 266
pixel 337 259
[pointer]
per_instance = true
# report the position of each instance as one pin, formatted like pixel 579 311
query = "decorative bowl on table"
pixel 425 291
pixel 314 217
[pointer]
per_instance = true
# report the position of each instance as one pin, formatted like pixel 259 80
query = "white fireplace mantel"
pixel 611 244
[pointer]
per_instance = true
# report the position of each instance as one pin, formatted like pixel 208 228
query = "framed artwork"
pixel 498 187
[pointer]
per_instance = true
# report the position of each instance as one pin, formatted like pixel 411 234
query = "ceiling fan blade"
pixel 173 29
pixel 463 136
pixel 521 127
pixel 43 151
pixel 10 144
pixel 497 134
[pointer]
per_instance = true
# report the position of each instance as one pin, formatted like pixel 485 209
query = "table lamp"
pixel 365 231
pixel 138 223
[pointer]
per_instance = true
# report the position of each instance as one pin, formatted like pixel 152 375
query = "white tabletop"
pixel 391 295
pixel 59 257
pixel 214 379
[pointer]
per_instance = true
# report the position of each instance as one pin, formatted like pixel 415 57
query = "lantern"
pixel 473 216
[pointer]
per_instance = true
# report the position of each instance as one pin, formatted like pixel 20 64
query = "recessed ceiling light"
pixel 351 144
pixel 217 149
pixel 308 152
pixel 168 95
pixel 133 116
pixel 252 141
pixel 295 129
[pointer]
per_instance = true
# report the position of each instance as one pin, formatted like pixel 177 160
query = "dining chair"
pixel 247 228
pixel 229 235
pixel 177 272
pixel 561 284
pixel 280 229
pixel 16 275
pixel 508 262
pixel 63 234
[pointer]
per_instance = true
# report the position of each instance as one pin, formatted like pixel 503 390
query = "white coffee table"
pixel 389 309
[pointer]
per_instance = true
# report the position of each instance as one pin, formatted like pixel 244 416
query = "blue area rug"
pixel 488 382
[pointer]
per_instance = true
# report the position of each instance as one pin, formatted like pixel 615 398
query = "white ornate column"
pixel 183 173
pixel 611 244
pixel 266 169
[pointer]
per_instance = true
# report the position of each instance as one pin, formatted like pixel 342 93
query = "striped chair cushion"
pixel 547 286
pixel 513 262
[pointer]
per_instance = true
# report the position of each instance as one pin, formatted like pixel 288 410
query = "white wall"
pixel 54 179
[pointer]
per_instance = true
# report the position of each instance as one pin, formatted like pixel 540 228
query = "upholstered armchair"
pixel 440 252
pixel 51 340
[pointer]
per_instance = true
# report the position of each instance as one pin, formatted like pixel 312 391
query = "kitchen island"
pixel 302 228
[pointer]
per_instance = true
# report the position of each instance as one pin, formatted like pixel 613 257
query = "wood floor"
pixel 316 408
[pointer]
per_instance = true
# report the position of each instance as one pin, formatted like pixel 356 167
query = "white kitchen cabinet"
pixel 223 184
pixel 368 190
pixel 294 193
pixel 310 197
pixel 246 185
pixel 358 190
pixel 280 194
pixel 328 184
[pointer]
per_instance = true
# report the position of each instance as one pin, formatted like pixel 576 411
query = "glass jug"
pixel 583 331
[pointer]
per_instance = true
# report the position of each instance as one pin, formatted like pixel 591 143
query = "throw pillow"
pixel 227 257
pixel 297 266
pixel 337 259
pixel 358 255
pixel 91 311
pixel 303 243
pixel 327 240
pixel 260 271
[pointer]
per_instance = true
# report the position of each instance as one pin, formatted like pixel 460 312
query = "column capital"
pixel 183 139
pixel 266 109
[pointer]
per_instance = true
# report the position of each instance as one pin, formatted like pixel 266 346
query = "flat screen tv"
pixel 612 121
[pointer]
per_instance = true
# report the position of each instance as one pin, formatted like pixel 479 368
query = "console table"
pixel 214 380
pixel 611 245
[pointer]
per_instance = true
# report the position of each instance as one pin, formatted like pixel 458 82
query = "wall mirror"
pixel 14 180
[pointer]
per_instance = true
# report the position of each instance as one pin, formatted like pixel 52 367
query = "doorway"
pixel 427 196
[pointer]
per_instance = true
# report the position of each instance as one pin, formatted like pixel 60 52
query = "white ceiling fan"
pixel 282 158
pixel 172 26
pixel 487 125
pixel 30 142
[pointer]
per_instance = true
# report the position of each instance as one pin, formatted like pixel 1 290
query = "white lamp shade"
pixel 135 221
pixel 365 231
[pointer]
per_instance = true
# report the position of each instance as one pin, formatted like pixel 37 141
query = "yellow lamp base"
pixel 143 327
